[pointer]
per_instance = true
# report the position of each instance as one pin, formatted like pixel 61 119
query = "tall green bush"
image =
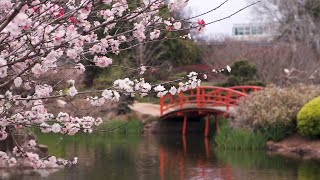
pixel 309 119
pixel 273 110
pixel 243 73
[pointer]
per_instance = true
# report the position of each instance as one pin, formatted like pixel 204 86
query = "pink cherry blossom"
pixel 43 43
pixel 155 34
pixel 177 25
pixel 17 81
pixel 3 68
pixel 12 161
pixel 43 90
pixel 5 4
pixel 72 54
pixel 102 61
pixel 143 69
pixel 139 32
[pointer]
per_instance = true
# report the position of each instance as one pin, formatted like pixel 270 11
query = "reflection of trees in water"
pixel 309 170
pixel 257 164
pixel 104 157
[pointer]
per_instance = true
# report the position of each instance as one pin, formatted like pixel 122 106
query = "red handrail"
pixel 206 96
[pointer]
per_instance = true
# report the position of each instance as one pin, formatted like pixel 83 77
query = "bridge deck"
pixel 191 107
pixel 153 109
pixel 146 108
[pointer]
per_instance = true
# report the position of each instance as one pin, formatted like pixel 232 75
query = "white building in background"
pixel 252 32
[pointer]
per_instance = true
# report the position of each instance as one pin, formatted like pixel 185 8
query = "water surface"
pixel 163 158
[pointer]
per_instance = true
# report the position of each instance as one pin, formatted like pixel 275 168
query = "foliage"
pixel 273 109
pixel 243 73
pixel 308 119
pixel 229 138
pixel 277 132
pixel 181 52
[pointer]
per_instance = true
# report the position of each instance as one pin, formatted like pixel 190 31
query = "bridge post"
pixel 206 130
pixel 184 126
pixel 181 99
pixel 203 98
pixel 198 97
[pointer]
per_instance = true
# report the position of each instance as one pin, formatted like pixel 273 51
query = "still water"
pixel 163 158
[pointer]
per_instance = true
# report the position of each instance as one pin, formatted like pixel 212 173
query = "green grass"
pixel 148 99
pixel 131 127
pixel 239 139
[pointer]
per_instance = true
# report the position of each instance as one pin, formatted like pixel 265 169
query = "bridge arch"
pixel 203 101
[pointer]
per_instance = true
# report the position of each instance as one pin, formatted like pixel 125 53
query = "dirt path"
pixel 146 108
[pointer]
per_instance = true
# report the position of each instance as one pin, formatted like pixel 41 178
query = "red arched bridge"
pixel 203 101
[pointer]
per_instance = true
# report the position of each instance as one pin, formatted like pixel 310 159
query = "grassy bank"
pixel 238 139
pixel 123 127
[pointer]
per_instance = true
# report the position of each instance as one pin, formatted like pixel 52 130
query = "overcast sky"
pixel 224 27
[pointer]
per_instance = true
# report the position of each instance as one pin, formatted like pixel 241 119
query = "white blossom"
pixel 72 91
pixel 228 68
pixel 155 34
pixel 56 128
pixel 173 90
pixel 177 25
pixel 32 143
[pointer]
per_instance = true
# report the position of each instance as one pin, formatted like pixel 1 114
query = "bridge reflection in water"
pixel 203 101
pixel 191 163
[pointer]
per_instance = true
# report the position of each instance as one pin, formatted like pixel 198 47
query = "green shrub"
pixel 273 109
pixel 277 132
pixel 309 119
pixel 243 73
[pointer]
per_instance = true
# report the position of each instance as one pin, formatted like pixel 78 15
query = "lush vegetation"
pixel 309 119
pixel 243 73
pixel 273 110
pixel 239 139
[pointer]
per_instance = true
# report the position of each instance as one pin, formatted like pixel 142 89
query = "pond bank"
pixel 296 146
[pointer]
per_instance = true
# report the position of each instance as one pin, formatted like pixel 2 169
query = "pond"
pixel 168 157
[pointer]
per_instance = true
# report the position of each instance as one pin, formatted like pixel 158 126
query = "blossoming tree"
pixel 41 37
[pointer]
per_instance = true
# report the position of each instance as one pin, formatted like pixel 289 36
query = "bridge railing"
pixel 246 89
pixel 205 96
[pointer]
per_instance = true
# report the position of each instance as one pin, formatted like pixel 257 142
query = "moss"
pixel 309 119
